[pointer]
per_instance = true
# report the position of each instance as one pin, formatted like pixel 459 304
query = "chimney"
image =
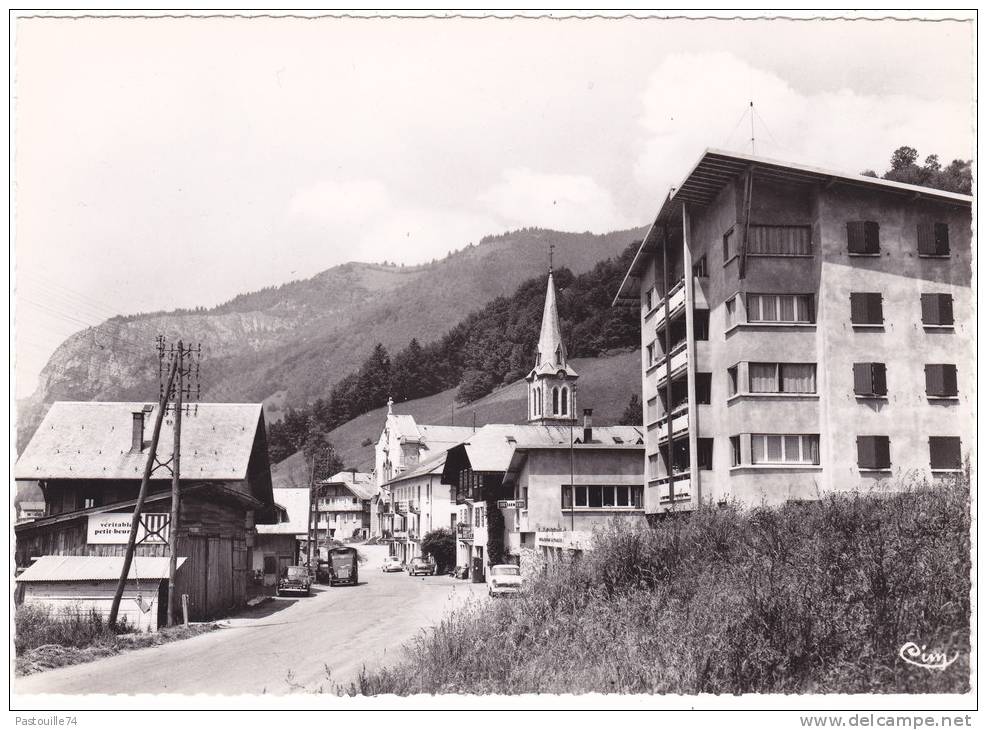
pixel 587 425
pixel 137 435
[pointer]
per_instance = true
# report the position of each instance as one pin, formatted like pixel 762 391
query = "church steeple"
pixel 552 382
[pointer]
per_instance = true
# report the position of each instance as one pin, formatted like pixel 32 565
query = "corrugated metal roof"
pixel 50 568
pixel 296 504
pixel 92 440
pixel 716 168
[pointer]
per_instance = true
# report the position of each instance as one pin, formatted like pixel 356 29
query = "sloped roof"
pixel 432 466
pixel 92 440
pixel 95 567
pixel 359 483
pixel 550 338
pixel 296 504
pixel 716 168
pixel 492 447
pixel 32 506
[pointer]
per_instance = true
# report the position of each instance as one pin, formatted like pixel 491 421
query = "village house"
pixel 88 459
pixel 30 511
pixel 278 546
pixel 803 332
pixel 404 447
pixel 546 484
pixel 342 507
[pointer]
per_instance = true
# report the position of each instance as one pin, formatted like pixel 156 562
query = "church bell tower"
pixel 552 381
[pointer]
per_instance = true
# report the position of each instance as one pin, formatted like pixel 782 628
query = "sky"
pixel 163 163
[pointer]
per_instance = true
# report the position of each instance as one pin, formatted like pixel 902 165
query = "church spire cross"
pixel 551 252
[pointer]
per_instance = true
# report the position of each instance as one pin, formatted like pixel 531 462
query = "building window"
pixel 538 399
pixel 651 354
pixel 773 448
pixel 863 237
pixel 558 355
pixel 699 268
pixel 735 451
pixel 937 310
pixel 555 401
pixel 729 247
pixel 88 502
pixel 870 379
pixel 649 300
pixel 704 453
pixel 704 384
pixel 700 324
pixel 933 239
pixel 772 377
pixel 731 311
pixel 779 240
pixel 873 452
pixel 945 453
pixel 565 401
pixel 940 381
pixel 866 308
pixel 780 308
pixel 732 380
pixel 653 466
pixel 603 497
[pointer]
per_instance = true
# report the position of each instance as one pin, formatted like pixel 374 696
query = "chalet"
pixel 342 507
pixel 88 459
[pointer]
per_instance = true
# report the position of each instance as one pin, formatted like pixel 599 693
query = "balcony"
pixel 681 488
pixel 413 506
pixel 676 301
pixel 679 361
pixel 680 423
pixel 400 534
pixel 401 507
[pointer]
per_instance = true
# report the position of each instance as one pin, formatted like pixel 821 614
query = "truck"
pixel 343 566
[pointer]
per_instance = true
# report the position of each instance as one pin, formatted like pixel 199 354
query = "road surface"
pixel 281 646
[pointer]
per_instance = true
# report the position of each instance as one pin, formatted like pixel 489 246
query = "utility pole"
pixel 135 521
pixel 185 360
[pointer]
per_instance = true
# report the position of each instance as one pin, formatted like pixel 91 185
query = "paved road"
pixel 281 646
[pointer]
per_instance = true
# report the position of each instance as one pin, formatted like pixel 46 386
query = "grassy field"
pixel 45 640
pixel 809 598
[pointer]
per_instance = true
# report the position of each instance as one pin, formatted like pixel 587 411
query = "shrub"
pixel 805 598
pixel 440 544
pixel 39 625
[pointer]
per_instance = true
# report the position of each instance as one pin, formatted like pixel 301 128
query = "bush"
pixel 440 544
pixel 807 598
pixel 38 625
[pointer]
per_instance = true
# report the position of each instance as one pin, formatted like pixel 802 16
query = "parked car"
pixel 504 580
pixel 420 566
pixel 295 579
pixel 392 564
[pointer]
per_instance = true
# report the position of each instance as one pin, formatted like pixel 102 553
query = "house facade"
pixel 419 503
pixel 803 332
pixel 278 546
pixel 342 507
pixel 88 459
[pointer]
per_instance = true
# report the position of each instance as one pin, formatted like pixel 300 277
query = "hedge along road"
pixel 281 646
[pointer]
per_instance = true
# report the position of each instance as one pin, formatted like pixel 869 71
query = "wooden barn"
pixel 83 583
pixel 88 459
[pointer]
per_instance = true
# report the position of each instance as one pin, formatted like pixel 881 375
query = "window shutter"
pixel 865 451
pixel 941 238
pixel 858 308
pixel 926 239
pixel 882 452
pixel 875 310
pixel 949 386
pixel 861 378
pixel 872 237
pixel 945 452
pixel 945 308
pixel 855 241
pixel 933 380
pixel 879 378
pixel 930 309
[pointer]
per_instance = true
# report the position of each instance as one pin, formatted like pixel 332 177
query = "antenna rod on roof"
pixel 753 151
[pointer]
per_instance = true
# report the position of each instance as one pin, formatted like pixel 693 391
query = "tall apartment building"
pixel 803 331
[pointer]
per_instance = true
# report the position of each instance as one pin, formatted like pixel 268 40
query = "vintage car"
pixel 295 579
pixel 392 564
pixel 504 580
pixel 344 566
pixel 420 566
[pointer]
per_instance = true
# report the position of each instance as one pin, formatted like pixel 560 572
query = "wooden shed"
pixel 88 459
pixel 83 583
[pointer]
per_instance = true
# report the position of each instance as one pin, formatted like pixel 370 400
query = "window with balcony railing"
pixel 779 240
pixel 603 497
